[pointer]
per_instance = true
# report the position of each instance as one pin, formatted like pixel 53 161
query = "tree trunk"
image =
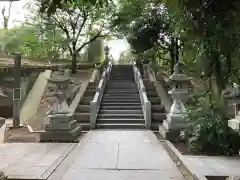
pixel 74 63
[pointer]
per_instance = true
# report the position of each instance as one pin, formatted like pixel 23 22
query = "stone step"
pixel 121 100
pixel 159 117
pixel 154 100
pixel 120 126
pixel 158 108
pixel 120 96
pixel 121 104
pixel 152 93
pixel 85 126
pixel 121 87
pixel 86 100
pixel 89 93
pixel 117 98
pixel 125 111
pixel 150 88
pixel 124 83
pixel 123 107
pixel 119 91
pixel 82 117
pixel 119 116
pixel 120 121
pixel 121 82
pixel 83 108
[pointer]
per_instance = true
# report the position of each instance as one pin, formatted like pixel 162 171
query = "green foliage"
pixel 208 131
pixel 96 51
pixel 52 6
pixel 125 57
pixel 30 42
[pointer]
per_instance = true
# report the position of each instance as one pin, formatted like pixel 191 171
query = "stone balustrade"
pixel 96 102
pixel 146 104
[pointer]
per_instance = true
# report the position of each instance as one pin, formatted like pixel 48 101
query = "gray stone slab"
pixel 119 175
pixel 215 165
pixel 32 160
pixel 120 136
pixel 139 156
pixel 97 155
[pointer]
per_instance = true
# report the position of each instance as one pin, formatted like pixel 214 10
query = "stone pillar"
pixel 175 123
pixel 60 124
pixel 17 90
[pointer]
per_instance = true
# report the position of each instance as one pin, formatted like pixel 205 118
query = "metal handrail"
pixel 96 102
pixel 146 104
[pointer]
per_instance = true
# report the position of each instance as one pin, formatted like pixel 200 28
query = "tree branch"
pixel 61 26
pixel 82 25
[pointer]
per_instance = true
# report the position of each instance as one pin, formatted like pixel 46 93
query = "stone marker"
pixel 175 123
pixel 60 124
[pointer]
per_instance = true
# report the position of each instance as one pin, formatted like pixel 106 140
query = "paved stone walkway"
pixel 32 160
pixel 118 155
pixel 100 155
pixel 215 165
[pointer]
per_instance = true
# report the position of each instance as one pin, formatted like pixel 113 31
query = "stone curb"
pixel 181 161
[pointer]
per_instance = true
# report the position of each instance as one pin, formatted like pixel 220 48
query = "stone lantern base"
pixel 61 128
pixel 174 123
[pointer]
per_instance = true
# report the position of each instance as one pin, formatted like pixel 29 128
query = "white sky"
pixel 18 13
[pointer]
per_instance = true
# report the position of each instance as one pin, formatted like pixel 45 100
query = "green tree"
pixel 95 50
pixel 125 57
pixel 147 26
pixel 81 25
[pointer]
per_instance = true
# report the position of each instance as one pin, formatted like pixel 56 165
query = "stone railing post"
pixel 146 104
pixel 93 115
pixel 175 123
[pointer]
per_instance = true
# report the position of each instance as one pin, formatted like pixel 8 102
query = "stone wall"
pixel 6 102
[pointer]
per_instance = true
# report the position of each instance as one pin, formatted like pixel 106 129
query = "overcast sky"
pixel 18 13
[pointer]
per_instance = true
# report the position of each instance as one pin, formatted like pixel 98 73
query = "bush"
pixel 208 131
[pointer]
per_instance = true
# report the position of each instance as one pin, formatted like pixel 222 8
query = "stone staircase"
pixel 157 109
pixel 121 105
pixel 82 113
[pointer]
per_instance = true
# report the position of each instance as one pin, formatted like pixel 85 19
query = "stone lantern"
pixel 60 124
pixel 175 123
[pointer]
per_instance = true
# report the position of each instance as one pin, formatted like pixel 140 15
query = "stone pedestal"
pixel 61 128
pixel 175 123
pixel 60 124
